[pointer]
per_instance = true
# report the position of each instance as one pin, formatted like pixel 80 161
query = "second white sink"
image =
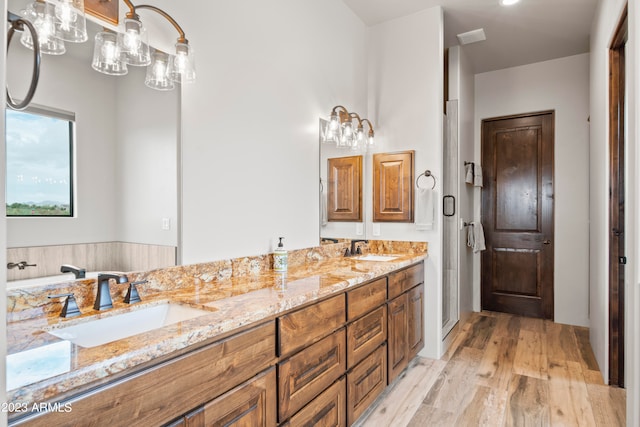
pixel 119 326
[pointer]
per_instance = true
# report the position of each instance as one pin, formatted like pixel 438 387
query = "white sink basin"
pixel 372 257
pixel 119 326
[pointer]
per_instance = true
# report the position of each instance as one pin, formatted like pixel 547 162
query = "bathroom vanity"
pixel 317 346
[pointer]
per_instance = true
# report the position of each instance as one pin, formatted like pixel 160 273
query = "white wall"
pixel 461 87
pixel 602 31
pixel 561 85
pixel 405 103
pixel 146 161
pixel 95 148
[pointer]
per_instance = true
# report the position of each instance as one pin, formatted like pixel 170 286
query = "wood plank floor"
pixel 504 370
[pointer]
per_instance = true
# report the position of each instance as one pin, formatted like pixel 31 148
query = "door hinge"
pixel 622 260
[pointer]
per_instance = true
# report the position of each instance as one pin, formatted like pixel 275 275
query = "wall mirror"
pixel 343 205
pixel 125 155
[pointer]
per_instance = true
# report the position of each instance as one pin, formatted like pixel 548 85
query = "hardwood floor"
pixel 504 370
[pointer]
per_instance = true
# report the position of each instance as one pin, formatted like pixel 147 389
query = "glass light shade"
pixel 71 24
pixel 328 135
pixel 347 130
pixel 370 140
pixel 334 122
pixel 134 43
pixel 157 73
pixel 42 16
pixel 182 67
pixel 360 134
pixel 107 57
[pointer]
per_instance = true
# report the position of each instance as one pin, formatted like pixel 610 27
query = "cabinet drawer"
pixel 252 404
pixel 159 394
pixel 308 325
pixel 327 410
pixel 366 298
pixel 365 334
pixel 306 374
pixel 365 383
pixel 406 279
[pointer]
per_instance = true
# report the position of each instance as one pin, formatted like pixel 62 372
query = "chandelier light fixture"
pixel 340 130
pixel 60 21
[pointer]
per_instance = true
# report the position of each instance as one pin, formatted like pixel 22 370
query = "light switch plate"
pixel 359 229
pixel 376 229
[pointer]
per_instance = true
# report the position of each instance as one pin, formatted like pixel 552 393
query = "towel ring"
pixel 18 24
pixel 426 173
pixel 321 186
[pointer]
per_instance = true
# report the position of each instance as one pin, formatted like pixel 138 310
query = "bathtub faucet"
pixel 80 273
pixel 21 265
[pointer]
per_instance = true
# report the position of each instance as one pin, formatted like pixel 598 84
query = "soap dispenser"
pixel 280 258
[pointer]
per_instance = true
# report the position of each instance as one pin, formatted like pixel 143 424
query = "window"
pixel 39 157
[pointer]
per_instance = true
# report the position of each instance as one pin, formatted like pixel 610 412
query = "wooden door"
pixel 517 214
pixel 393 187
pixel 344 196
pixel 617 258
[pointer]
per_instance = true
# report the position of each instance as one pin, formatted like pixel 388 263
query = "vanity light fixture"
pixel 340 129
pixel 179 68
pixel 57 21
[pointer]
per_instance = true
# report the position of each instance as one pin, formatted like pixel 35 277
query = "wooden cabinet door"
pixel 393 187
pixel 397 339
pixel 252 404
pixel 365 383
pixel 344 195
pixel 415 320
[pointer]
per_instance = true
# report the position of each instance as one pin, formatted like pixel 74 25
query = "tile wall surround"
pixel 32 302
pixel 100 256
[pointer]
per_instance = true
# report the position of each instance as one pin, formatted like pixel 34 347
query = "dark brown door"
pixel 517 214
pixel 617 257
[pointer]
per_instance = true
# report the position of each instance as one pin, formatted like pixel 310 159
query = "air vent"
pixel 472 36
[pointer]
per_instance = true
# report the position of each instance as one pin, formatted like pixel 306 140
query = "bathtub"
pixel 49 280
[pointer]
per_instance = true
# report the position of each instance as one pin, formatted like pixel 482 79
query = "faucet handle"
pixel 133 296
pixel 70 308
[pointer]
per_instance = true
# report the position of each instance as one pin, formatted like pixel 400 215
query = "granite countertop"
pixel 41 367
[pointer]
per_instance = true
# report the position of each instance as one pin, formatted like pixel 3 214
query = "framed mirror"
pixel 125 167
pixel 342 200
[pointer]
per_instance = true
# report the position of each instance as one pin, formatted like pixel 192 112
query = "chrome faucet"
pixel 80 273
pixel 103 297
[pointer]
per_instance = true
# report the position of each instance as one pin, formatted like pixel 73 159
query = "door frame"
pixel 550 309
pixel 617 159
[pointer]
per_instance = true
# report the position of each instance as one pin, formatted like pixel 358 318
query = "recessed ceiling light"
pixel 508 2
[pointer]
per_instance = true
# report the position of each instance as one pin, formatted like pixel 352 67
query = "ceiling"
pixel 530 31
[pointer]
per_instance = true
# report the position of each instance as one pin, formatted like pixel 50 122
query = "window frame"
pixel 69 117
